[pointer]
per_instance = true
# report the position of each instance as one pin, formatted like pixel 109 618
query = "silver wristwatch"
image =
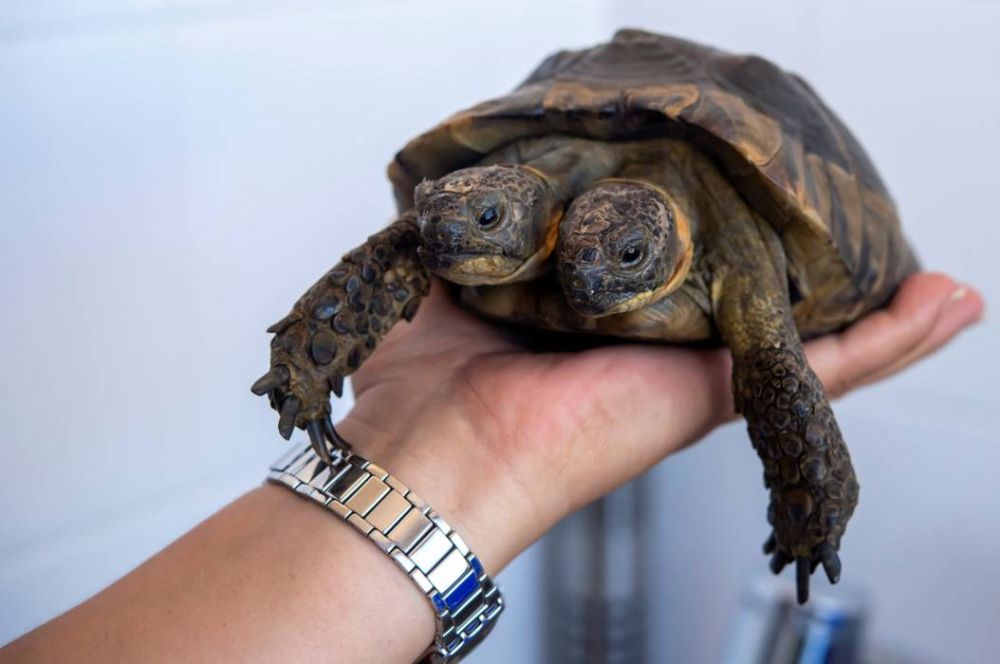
pixel 382 508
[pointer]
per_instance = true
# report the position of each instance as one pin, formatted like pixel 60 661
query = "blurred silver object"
pixel 770 627
pixel 595 599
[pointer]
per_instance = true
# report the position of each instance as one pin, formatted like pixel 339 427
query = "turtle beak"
pixel 585 280
pixel 452 251
pixel 444 237
pixel 585 291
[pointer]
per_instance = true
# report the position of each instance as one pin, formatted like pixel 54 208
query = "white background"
pixel 174 174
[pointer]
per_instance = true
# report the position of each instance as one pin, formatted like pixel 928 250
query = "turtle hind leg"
pixel 336 325
pixel 806 465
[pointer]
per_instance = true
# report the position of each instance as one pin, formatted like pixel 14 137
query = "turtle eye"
pixel 489 217
pixel 631 255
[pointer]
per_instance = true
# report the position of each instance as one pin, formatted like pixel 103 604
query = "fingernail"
pixel 957 296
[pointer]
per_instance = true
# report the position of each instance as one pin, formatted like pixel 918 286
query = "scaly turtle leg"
pixel 336 325
pixel 806 465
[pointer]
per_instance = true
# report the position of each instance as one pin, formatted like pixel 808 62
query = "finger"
pixel 879 339
pixel 964 307
pixel 884 337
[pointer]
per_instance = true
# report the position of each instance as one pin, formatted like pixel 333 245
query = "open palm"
pixel 590 420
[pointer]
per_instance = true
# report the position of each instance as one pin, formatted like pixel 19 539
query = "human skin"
pixel 503 442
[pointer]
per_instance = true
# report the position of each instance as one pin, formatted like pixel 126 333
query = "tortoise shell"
pixel 770 133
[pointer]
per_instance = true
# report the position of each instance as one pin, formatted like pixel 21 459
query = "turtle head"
pixel 487 224
pixel 622 245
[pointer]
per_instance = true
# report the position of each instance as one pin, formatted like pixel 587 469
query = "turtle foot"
pixel 299 402
pixel 336 325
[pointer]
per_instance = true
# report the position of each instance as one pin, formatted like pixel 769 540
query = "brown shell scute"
pixel 782 148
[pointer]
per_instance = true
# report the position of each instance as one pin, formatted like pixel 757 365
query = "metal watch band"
pixel 383 509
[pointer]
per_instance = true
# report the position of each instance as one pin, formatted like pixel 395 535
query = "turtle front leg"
pixel 806 464
pixel 337 324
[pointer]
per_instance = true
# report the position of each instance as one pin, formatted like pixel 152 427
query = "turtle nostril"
pixel 444 235
pixel 588 255
pixel 451 233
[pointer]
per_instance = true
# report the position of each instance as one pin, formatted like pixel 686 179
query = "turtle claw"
pixel 316 438
pixel 331 435
pixel 825 554
pixel 802 572
pixel 778 561
pixel 337 385
pixel 283 324
pixel 286 421
pixel 803 568
pixel 831 564
pixel 276 377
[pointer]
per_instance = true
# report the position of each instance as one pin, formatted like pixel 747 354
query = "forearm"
pixel 269 578
pixel 273 577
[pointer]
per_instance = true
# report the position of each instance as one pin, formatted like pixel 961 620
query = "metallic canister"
pixel 770 627
pixel 595 602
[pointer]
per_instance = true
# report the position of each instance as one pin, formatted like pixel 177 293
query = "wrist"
pixel 455 473
pixel 337 570
pixel 417 537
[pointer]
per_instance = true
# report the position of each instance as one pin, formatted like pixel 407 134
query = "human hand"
pixel 504 441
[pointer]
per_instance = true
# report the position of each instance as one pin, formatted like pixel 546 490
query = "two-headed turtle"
pixel 689 195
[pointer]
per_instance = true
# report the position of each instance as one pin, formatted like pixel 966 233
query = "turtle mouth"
pixel 470 269
pixel 637 301
pixel 594 294
pixel 586 304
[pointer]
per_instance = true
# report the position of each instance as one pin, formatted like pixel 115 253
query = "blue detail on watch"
pixel 476 565
pixel 461 592
pixel 438 602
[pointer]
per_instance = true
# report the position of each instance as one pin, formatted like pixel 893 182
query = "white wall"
pixel 173 174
